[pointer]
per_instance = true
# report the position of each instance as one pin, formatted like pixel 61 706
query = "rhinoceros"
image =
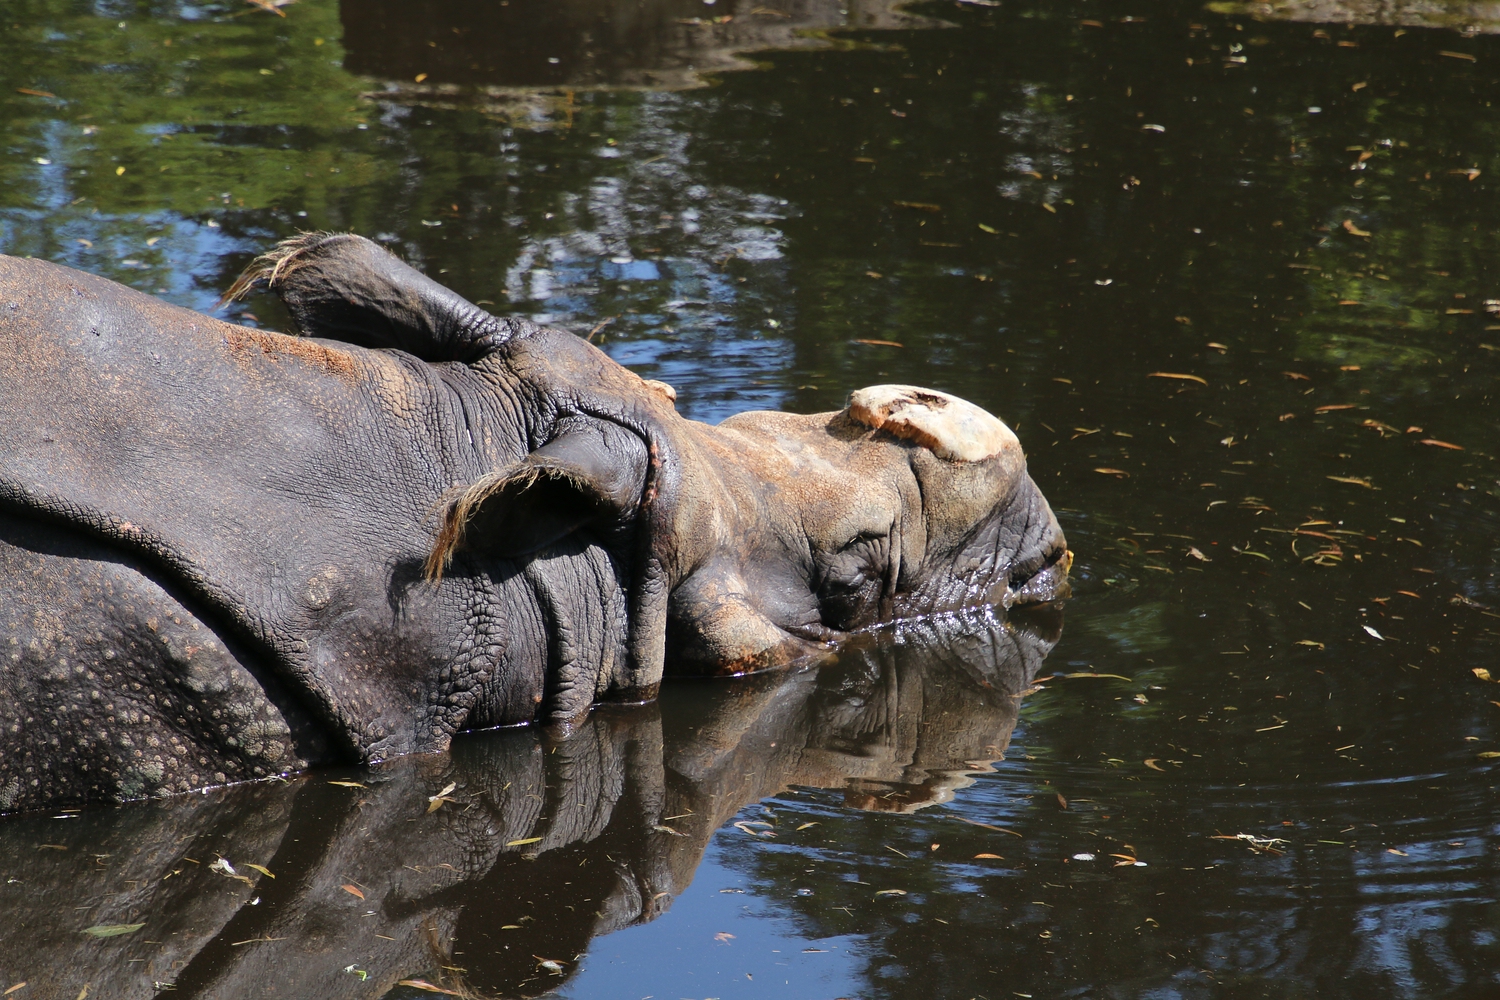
pixel 226 553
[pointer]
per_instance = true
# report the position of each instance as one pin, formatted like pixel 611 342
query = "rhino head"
pixel 907 502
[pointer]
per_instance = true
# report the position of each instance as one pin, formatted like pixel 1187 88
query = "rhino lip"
pixel 1047 582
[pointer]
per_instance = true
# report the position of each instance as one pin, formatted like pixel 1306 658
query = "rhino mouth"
pixel 1046 582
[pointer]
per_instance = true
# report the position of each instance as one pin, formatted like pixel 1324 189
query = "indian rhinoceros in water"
pixel 227 553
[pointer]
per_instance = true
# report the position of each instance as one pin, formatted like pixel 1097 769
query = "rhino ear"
pixel 951 428
pixel 344 287
pixel 594 474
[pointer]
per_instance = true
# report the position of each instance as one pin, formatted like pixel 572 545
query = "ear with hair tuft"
pixel 591 474
pixel 344 287
pixel 951 428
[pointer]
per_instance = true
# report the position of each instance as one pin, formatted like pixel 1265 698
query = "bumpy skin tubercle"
pixel 440 520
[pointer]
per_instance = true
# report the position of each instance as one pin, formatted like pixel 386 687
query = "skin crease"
pixel 440 520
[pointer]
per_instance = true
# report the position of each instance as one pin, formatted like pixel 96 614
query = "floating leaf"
pixel 523 841
pixel 422 984
pixel 347 784
pixel 264 871
pixel 877 343
pixel 112 930
pixel 1334 406
pixel 1151 763
pixel 1180 376
pixel 993 857
pixel 353 890
pixel 1483 674
pixel 1117 473
pixel 987 826
pixel 1353 481
pixel 1353 230
pixel 922 206
pixel 1442 444
pixel 1489 755
pixel 902 892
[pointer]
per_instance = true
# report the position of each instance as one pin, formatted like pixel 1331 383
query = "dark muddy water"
pixel 1227 271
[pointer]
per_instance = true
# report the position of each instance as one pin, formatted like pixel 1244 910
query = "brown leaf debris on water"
pixel 1180 376
pixel 274 6
pixel 1442 444
pixel 1260 845
pixel 422 984
pixel 353 890
pixel 435 802
pixel 1353 230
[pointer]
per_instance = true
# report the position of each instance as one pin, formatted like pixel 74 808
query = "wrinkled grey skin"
pixel 544 845
pixel 226 553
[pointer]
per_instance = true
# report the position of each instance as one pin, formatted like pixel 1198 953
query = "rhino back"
pixel 284 484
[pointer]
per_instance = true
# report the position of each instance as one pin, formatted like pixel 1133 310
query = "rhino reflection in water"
pixel 540 846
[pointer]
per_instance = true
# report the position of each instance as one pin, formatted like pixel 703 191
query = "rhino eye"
pixel 862 538
pixel 850 579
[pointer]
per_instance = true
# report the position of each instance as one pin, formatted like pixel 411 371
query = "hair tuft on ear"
pixel 273 265
pixel 462 504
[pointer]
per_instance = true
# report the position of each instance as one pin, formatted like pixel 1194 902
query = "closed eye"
pixel 861 538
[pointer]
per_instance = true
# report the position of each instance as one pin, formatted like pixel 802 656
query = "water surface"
pixel 1227 271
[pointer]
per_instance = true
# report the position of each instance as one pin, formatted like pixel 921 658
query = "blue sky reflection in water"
pixel 1228 272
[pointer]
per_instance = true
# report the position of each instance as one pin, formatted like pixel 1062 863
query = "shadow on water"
pixel 438 52
pixel 536 845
